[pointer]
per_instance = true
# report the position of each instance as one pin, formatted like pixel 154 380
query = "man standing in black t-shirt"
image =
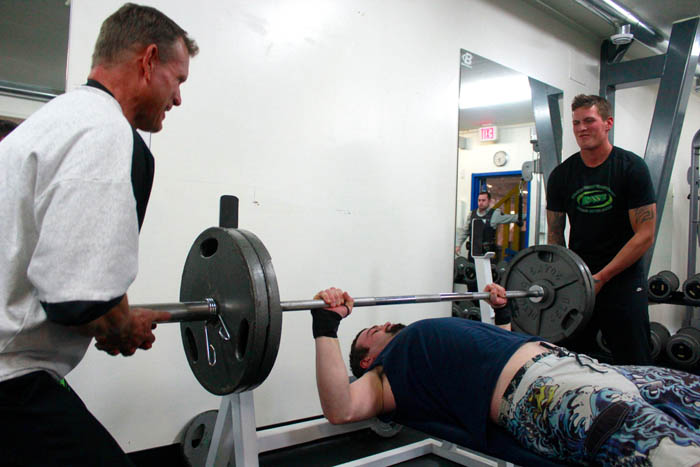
pixel 609 197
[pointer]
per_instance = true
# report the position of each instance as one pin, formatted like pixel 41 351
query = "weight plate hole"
pixel 198 435
pixel 681 352
pixel 242 342
pixel 545 256
pixel 194 355
pixel 570 320
pixel 209 247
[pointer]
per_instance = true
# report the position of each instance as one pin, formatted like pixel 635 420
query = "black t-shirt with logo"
pixel 597 201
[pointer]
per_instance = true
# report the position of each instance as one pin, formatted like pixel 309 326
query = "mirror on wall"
pixel 509 141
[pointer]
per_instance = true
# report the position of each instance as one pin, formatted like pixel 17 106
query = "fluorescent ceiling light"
pixel 496 91
pixel 629 16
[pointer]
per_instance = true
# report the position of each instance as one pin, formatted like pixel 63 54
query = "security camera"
pixel 622 38
pixel 623 35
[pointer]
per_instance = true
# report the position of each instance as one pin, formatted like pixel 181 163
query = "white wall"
pixel 336 124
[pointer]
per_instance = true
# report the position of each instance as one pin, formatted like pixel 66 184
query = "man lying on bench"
pixel 460 380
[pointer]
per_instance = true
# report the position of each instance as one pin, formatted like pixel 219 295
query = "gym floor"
pixel 325 452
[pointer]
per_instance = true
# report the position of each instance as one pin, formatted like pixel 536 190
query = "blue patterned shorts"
pixel 569 407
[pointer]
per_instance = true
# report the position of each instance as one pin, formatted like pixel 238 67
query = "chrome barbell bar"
pixel 207 309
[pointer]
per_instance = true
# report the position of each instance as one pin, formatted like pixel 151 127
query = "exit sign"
pixel 488 133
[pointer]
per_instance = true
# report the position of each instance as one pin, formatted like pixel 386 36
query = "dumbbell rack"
pixel 693 238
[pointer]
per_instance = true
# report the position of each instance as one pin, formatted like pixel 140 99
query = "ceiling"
pixel 660 16
pixel 34 33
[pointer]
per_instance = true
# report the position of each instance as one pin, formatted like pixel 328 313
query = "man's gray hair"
pixel 134 26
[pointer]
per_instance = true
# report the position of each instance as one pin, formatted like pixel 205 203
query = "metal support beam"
pixel 669 112
pixel 545 107
pixel 675 70
pixel 234 437
pixel 693 239
pixel 633 71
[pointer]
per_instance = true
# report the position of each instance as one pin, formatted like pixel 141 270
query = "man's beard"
pixel 395 328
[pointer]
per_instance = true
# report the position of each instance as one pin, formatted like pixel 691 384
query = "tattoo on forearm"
pixel 555 238
pixel 555 231
pixel 643 214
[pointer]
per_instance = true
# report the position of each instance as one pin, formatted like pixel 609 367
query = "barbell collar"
pixel 186 311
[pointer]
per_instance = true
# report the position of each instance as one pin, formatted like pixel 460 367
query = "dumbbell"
pixel 466 309
pixel 495 273
pixel 470 272
pixel 683 348
pixel 459 267
pixel 473 313
pixel 500 270
pixel 662 284
pixel 659 338
pixel 691 288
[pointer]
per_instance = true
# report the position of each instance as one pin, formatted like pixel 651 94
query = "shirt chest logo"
pixel 593 199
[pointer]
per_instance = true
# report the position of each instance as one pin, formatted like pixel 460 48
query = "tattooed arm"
pixel 556 221
pixel 643 220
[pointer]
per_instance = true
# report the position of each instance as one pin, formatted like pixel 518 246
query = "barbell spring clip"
pixel 211 351
pixel 223 330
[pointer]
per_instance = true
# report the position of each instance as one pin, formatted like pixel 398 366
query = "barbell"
pixel 230 312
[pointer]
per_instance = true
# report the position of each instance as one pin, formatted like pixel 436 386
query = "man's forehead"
pixel 587 110
pixel 363 333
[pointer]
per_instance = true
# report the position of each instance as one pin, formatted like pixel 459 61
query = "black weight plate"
pixel 473 313
pixel 385 429
pixel 659 337
pixel 460 266
pixel 470 271
pixel 224 267
pixel 602 345
pixel 262 311
pixel 495 274
pixel 691 288
pixel 569 294
pixel 662 284
pixel 197 438
pixel 683 348
pixel 274 328
pixel 500 271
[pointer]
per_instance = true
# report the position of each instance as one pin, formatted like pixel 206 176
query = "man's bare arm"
pixel 341 401
pixel 556 221
pixel 643 221
pixel 123 330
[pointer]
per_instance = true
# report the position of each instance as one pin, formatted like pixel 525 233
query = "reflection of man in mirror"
pixel 6 126
pixel 609 198
pixel 491 217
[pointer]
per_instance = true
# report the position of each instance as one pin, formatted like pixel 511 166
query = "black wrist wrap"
pixel 325 323
pixel 503 315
